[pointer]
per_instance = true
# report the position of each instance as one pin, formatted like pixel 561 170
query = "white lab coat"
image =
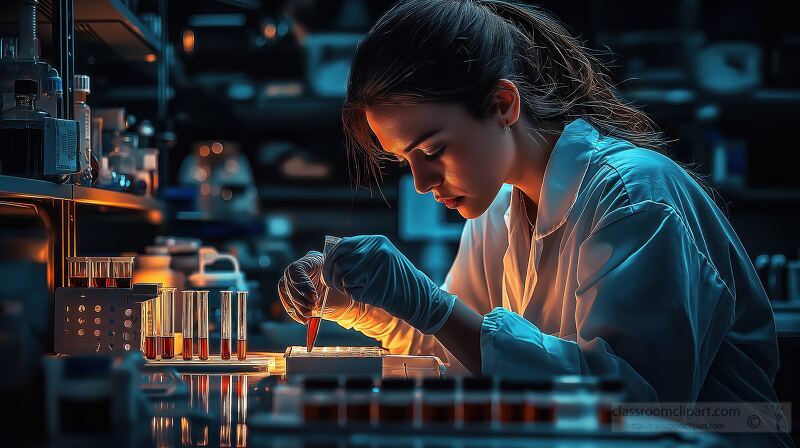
pixel 631 270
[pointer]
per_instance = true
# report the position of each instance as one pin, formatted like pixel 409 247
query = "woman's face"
pixel 462 160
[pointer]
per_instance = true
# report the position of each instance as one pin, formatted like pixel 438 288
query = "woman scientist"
pixel 586 251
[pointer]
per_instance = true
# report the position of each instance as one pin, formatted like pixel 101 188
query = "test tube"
pixel 396 402
pixel 202 324
pixel 78 272
pixel 100 272
pixel 358 400
pixel 439 402
pixel 225 320
pixel 122 271
pixel 512 402
pixel 241 334
pixel 149 329
pixel 188 325
pixel 167 323
pixel 320 400
pixel 476 401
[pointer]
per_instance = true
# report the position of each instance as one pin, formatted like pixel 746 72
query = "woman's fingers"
pixel 288 303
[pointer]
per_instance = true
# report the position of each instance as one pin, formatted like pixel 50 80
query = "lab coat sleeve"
pixel 649 308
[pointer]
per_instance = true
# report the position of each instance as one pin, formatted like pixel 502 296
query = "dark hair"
pixel 455 51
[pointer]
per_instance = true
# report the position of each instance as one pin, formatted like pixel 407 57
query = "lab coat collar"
pixel 564 175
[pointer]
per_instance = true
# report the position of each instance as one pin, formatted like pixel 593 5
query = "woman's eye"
pixel 435 154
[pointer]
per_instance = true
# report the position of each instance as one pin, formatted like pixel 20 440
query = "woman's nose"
pixel 426 178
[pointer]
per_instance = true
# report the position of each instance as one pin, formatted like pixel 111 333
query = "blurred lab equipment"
pixel 93 394
pixel 728 68
pixel 328 59
pixel 226 188
pixel 437 232
pixel 83 115
pixel 35 144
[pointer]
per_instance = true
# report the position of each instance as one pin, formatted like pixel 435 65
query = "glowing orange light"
pixel 150 57
pixel 216 148
pixel 204 151
pixel 270 31
pixel 188 41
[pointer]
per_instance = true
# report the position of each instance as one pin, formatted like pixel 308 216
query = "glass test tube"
pixel 225 321
pixel 100 272
pixel 188 325
pixel 167 323
pixel 241 334
pixel 202 324
pixel 149 329
pixel 122 271
pixel 78 272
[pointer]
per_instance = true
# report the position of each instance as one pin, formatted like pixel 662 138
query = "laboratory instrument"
pixel 187 319
pixel 202 324
pixel 167 337
pixel 225 325
pixel 78 272
pixel 334 360
pixel 241 325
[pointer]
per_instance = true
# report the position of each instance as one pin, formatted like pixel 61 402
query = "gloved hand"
pixel 372 271
pixel 301 287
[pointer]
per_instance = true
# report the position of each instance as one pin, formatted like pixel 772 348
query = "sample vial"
pixel 100 272
pixel 149 328
pixel 396 401
pixel 188 324
pixel 438 402
pixel 358 400
pixel 511 410
pixel 78 272
pixel 202 324
pixel 539 403
pixel 167 323
pixel 83 116
pixel 241 324
pixel 321 400
pixel 611 394
pixel 225 321
pixel 122 271
pixel 476 400
pixel 576 402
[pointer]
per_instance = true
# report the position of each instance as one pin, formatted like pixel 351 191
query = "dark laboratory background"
pixel 221 129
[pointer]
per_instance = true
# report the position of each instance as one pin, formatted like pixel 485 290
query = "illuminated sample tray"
pixel 215 364
pixel 334 360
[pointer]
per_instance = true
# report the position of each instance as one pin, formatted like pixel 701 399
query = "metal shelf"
pixel 114 199
pixel 19 187
pixel 104 25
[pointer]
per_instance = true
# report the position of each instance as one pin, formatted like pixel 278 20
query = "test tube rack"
pixel 334 360
pixel 100 320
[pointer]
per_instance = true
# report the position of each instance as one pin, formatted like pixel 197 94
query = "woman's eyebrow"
pixel 421 139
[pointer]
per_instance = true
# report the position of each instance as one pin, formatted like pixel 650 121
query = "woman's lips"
pixel 454 202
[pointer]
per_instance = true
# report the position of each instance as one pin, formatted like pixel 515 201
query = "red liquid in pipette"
pixel 313 329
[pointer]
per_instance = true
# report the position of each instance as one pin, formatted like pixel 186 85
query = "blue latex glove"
pixel 371 270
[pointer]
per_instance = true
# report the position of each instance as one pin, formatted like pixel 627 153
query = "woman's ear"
pixel 506 103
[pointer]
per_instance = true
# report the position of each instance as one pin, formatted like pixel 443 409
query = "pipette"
pixel 316 313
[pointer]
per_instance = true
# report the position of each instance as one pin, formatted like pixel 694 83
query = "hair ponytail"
pixel 562 79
